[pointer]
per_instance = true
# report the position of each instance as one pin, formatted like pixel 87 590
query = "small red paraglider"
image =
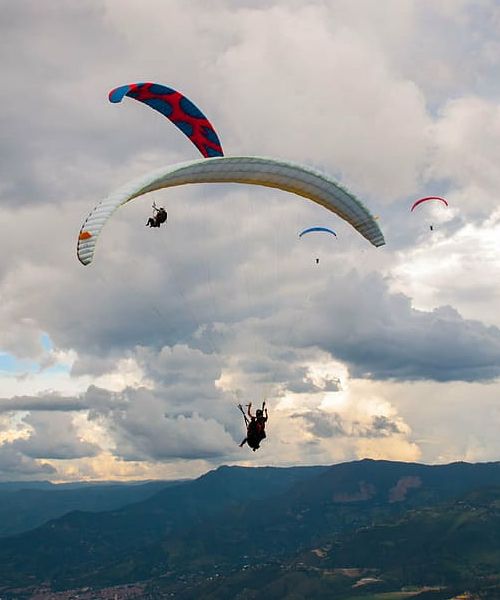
pixel 421 200
pixel 426 199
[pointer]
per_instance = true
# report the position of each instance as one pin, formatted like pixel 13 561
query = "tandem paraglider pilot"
pixel 159 217
pixel 256 426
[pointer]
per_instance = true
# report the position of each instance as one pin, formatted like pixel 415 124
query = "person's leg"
pixel 243 443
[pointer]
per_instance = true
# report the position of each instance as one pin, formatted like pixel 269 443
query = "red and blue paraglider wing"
pixel 178 109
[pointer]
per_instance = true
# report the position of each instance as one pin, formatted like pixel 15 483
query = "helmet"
pixel 259 413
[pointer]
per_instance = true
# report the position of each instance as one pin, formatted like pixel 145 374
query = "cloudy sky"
pixel 131 368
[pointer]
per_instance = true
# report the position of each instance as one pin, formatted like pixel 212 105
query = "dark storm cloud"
pixel 91 364
pixel 382 426
pixel 328 425
pixel 51 401
pixel 15 465
pixel 93 398
pixel 322 425
pixel 381 336
pixel 169 365
pixel 278 369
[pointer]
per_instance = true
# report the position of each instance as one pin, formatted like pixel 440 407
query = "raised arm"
pixel 264 410
pixel 250 410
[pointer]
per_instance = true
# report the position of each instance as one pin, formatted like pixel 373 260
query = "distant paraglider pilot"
pixel 256 426
pixel 159 217
pixel 426 199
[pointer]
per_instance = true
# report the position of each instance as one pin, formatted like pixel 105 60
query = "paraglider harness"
pixel 256 426
pixel 160 216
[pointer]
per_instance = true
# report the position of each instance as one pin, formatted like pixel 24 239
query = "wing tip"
pixel 117 94
pixel 85 261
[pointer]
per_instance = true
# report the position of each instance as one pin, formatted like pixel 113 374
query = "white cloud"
pixel 460 270
pixel 466 145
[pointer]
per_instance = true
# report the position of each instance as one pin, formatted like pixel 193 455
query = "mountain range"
pixel 377 525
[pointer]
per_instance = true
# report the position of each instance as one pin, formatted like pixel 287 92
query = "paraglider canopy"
pixel 254 170
pixel 178 109
pixel 311 229
pixel 426 199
